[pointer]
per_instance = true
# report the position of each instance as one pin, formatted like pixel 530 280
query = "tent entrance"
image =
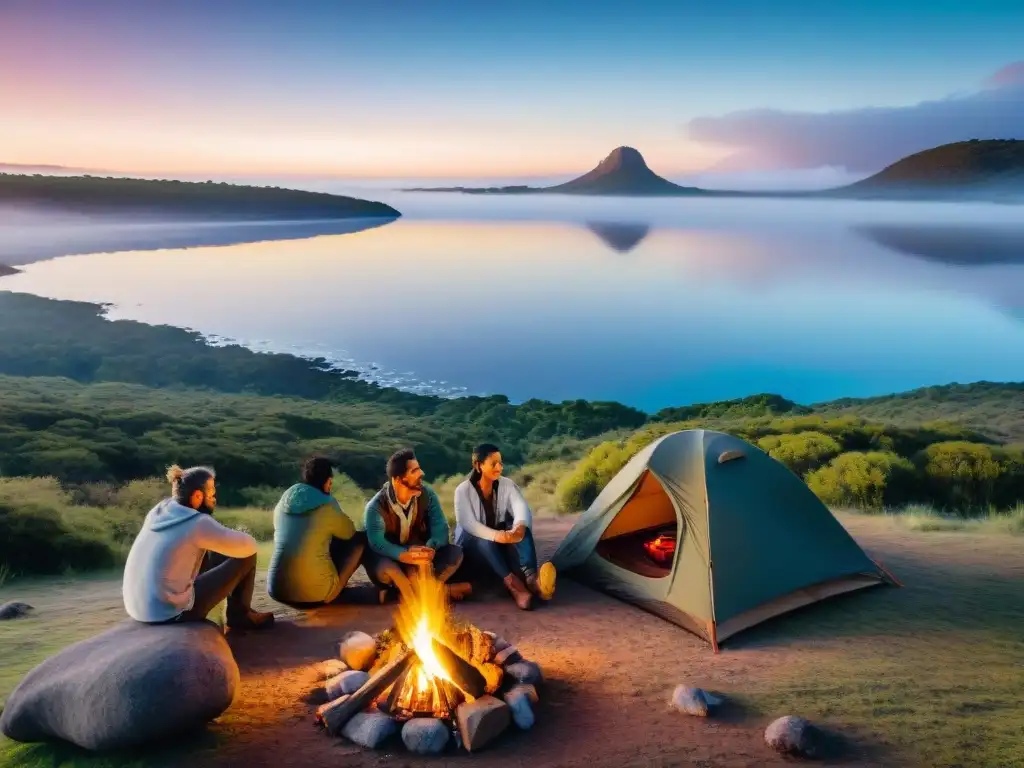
pixel 645 534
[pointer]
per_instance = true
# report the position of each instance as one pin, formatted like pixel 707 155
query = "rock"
pixel 481 721
pixel 369 729
pixel 346 683
pixel 325 670
pixel 424 735
pixel 793 736
pixel 521 706
pixel 694 701
pixel 14 610
pixel 133 684
pixel 493 674
pixel 529 691
pixel 508 655
pixel 357 650
pixel 525 672
pixel 500 643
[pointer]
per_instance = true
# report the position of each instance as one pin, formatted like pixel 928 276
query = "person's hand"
pixel 518 533
pixel 417 556
pixel 505 537
pixel 426 554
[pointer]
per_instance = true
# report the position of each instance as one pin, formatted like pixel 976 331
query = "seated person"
pixel 406 529
pixel 492 525
pixel 163 582
pixel 316 546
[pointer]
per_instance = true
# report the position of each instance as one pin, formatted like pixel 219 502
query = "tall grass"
pixel 49 528
pixel 925 518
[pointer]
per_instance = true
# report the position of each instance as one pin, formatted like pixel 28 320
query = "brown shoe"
pixel 459 590
pixel 519 592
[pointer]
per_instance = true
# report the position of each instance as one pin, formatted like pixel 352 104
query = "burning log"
pixel 333 716
pixel 465 676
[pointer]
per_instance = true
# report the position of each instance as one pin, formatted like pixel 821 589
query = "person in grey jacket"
pixel 165 578
pixel 492 525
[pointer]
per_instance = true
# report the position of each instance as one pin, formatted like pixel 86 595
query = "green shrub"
pixel 801 451
pixel 960 475
pixel 870 480
pixel 579 488
pixel 41 532
pixel 258 522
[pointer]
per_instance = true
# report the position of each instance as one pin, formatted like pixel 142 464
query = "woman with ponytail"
pixel 493 524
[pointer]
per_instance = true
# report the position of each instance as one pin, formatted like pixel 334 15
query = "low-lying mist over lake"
pixel 649 302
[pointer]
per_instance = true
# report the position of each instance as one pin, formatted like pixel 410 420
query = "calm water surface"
pixel 649 303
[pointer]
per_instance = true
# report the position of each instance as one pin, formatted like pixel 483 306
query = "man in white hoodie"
pixel 165 579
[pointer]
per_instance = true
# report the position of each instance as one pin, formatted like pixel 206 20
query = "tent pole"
pixel 714 637
pixel 884 570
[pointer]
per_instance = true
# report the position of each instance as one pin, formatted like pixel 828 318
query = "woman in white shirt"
pixel 492 526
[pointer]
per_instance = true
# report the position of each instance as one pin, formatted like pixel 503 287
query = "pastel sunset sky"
pixel 407 88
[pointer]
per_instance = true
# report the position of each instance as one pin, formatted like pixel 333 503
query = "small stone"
pixel 424 736
pixel 325 670
pixel 500 643
pixel 508 655
pixel 520 706
pixel 482 721
pixel 693 701
pixel 792 735
pixel 529 691
pixel 357 650
pixel 369 729
pixel 346 683
pixel 14 610
pixel 493 674
pixel 525 672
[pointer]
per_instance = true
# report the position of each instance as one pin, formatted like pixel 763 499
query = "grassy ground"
pixel 930 674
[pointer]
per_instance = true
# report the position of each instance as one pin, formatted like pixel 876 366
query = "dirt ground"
pixel 610 669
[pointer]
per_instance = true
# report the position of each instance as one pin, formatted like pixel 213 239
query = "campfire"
pixel 430 674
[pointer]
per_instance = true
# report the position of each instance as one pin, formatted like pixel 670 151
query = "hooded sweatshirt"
pixel 301 569
pixel 160 574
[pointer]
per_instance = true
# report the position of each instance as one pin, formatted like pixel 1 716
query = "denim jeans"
pixel 502 559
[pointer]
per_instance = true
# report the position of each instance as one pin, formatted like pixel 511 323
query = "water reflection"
pixel 807 310
pixel 951 244
pixel 35 238
pixel 621 237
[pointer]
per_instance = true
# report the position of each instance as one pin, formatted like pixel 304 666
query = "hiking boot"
pixel 519 592
pixel 459 590
pixel 542 584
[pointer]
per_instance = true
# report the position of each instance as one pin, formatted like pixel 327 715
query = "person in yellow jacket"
pixel 316 545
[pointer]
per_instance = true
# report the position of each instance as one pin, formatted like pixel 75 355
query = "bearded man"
pixel 406 529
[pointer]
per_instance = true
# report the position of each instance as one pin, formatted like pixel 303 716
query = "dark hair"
pixel 398 463
pixel 317 470
pixel 185 482
pixel 480 454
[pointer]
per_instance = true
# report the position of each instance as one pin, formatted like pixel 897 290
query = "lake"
pixel 648 302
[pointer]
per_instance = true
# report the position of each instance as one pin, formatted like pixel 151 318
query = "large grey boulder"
pixel 133 684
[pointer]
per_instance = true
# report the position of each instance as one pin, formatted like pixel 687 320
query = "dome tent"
pixel 751 541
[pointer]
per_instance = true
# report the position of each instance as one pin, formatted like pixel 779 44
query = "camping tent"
pixel 711 533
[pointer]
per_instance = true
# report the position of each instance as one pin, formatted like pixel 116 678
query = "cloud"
pixel 865 140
